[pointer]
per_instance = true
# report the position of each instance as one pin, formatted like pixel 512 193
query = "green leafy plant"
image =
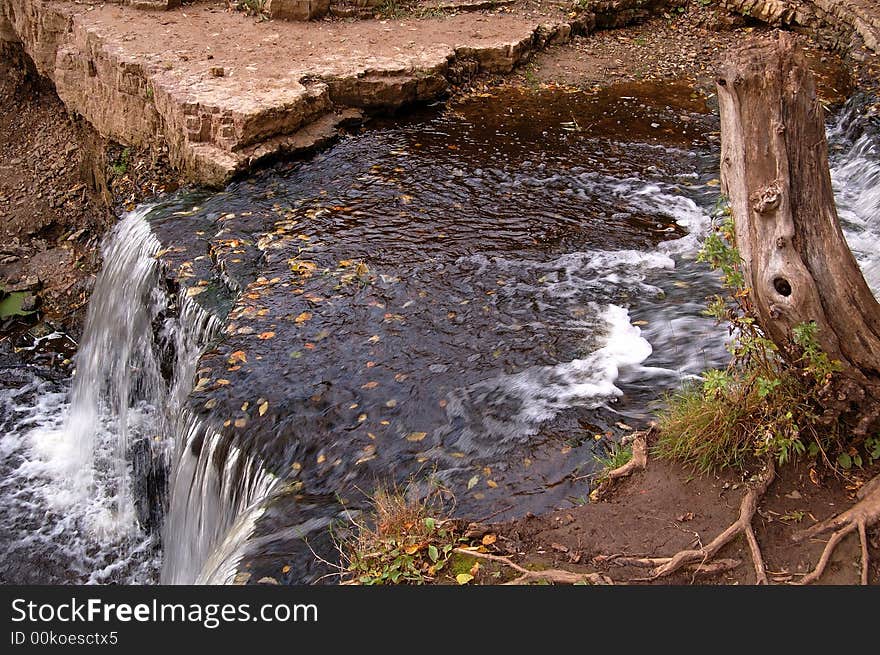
pixel 766 402
pixel 120 165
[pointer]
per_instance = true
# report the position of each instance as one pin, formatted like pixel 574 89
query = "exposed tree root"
pixel 639 459
pixel 637 462
pixel 555 576
pixel 865 512
pixel 663 566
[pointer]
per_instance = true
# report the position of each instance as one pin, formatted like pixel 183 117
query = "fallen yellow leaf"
pixel 263 408
pixel 302 318
pixel 266 335
pixel 416 436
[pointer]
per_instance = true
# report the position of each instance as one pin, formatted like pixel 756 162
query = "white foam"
pixel 544 391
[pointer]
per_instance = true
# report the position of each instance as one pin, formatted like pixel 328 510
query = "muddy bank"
pixel 667 508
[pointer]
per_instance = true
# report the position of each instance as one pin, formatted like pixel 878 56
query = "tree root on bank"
pixel 865 512
pixel 638 462
pixel 663 566
pixel 553 576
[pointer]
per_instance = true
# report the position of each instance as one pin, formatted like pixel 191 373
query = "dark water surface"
pixel 483 296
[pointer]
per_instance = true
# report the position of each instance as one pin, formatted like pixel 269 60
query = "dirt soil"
pixel 667 508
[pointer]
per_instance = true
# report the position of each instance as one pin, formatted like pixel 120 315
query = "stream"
pixel 482 297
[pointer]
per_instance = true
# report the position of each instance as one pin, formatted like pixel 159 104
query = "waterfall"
pixel 118 386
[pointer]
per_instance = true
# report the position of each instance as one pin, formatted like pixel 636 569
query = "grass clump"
pixel 615 456
pixel 766 403
pixel 406 541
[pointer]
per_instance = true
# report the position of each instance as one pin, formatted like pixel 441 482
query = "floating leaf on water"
pixel 245 405
pixel 238 356
pixel 492 484
pixel 211 403
pixel 240 422
pixel 370 385
pixel 303 268
pixel 266 335
pixel 416 436
pixel 362 418
pixel 303 317
pixel 374 339
pixel 473 482
pixel 713 182
pixel 263 408
pixel 285 568
pixel 222 382
pixel 322 458
pixel 194 291
pixel 391 403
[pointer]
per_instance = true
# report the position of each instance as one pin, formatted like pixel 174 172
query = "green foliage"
pixel 406 542
pixel 11 304
pixel 766 403
pixel 120 165
pixel 392 9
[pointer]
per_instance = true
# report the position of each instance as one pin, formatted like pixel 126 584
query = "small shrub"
pixel 406 542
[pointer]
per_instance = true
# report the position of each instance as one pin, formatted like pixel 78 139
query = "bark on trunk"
pixel 774 169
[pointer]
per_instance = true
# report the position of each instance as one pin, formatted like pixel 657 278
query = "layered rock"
pixel 222 91
pixel 141 78
pixel 844 24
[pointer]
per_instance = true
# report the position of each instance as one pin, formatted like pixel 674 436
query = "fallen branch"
pixel 865 512
pixel 555 576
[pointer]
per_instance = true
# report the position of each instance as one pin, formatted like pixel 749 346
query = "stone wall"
pixel 842 24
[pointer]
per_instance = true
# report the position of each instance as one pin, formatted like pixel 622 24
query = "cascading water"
pixel 117 387
pixel 94 459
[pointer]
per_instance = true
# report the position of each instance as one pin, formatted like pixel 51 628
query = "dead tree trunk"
pixel 774 169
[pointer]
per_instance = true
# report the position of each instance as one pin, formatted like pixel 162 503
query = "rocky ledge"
pixel 224 91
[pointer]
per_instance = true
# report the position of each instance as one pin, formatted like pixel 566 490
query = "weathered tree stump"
pixel 774 169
